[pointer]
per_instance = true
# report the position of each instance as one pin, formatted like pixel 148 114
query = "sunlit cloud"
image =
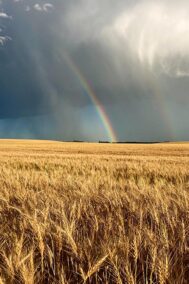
pixel 43 7
pixel 157 33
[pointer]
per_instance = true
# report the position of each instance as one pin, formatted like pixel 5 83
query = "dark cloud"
pixel 139 73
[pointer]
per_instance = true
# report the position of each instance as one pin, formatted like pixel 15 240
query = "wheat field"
pixel 94 213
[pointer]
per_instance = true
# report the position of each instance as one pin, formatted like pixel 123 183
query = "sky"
pixel 94 70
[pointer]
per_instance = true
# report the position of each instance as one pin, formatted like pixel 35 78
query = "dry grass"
pixel 94 213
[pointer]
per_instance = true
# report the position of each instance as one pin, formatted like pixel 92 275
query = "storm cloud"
pixel 135 54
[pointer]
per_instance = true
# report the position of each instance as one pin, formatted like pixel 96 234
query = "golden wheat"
pixel 94 213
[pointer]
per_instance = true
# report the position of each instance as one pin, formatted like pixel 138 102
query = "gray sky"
pixel 134 54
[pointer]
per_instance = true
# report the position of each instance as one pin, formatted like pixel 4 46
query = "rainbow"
pixel 89 90
pixel 156 88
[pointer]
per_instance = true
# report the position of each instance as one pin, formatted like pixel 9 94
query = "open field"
pixel 94 213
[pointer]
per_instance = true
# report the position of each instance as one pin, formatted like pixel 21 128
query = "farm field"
pixel 94 213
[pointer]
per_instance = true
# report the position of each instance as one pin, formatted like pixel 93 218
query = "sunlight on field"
pixel 94 213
